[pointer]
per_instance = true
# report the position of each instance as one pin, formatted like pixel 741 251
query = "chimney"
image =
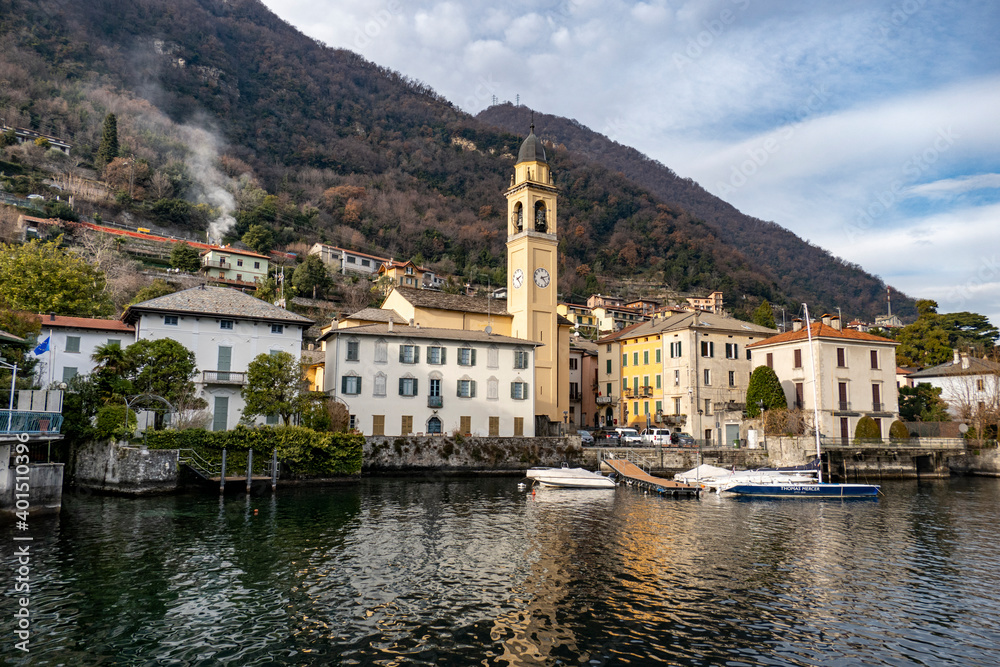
pixel 390 324
pixel 52 317
pixel 956 359
pixel 411 321
pixel 965 360
pixel 826 319
pixel 796 324
pixel 835 323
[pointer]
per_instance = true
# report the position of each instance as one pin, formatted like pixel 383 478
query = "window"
pixel 645 357
pixel 116 342
pixel 407 386
pixel 798 359
pixel 406 427
pixel 635 358
pixel 521 359
pixel 225 359
pixel 409 354
pixel 770 360
pixel 841 357
pixel 519 390
pixel 494 426
pixel 608 348
pixel 608 387
pixel 466 356
pixel 519 426
pixel 658 355
pixel 645 381
pixel 220 415
pixel 675 349
pixel 574 364
pixel 707 348
pixel 980 385
pixel 226 324
pixel 708 406
pixel 433 426
pixel 635 384
pixel 434 387
pixel 799 395
pixel 379 386
pixel 624 360
pixel 659 407
pixel 732 351
pixel 677 406
pixel 877 398
pixel 256 265
pixel 171 321
pixel 274 353
pixel 271 419
pixel 749 355
pixel 875 359
pixel 708 376
pixel 657 380
pixel 378 424
pixel 69 372
pixel 635 407
pixel 732 378
pixel 366 262
pixel 677 378
pixel 436 355
pixel 381 351
pixel 467 388
pixel 492 389
pixel 72 343
pixel 352 422
pixel 278 328
pixel 353 350
pixel 493 357
pixel 350 385
pixel 645 408
pixel 465 424
pixel 607 366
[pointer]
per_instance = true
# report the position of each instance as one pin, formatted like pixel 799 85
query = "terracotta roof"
pixel 62 321
pixel 703 321
pixel 215 301
pixel 820 330
pixel 610 338
pixel 377 315
pixel 976 367
pixel 235 251
pixel 426 332
pixel 422 298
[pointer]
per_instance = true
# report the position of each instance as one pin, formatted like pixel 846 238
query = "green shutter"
pixel 400 386
pixel 472 384
pixel 657 355
pixel 416 390
pixel 443 356
pixel 473 358
pixel 401 348
pixel 225 358
pixel 512 394
pixel 343 384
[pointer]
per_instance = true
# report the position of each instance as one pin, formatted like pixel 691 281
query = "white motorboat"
pixel 720 479
pixel 570 478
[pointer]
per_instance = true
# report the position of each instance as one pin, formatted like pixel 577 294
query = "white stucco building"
pixel 969 385
pixel 412 380
pixel 855 374
pixel 72 342
pixel 226 329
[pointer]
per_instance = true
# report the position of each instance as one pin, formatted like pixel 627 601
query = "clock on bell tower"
pixel 532 267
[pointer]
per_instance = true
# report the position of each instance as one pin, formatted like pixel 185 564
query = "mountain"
pixel 221 103
pixel 803 272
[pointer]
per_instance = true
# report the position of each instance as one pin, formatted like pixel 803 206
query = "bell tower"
pixel 532 274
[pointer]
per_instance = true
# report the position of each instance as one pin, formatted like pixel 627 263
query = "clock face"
pixel 518 278
pixel 541 277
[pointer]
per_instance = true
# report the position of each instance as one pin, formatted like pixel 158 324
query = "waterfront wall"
pixel 113 467
pixel 445 452
pixel 45 482
pixel 986 462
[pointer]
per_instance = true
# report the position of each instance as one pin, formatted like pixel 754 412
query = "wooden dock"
pixel 633 474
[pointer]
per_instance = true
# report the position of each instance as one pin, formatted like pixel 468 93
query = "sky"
pixel 871 129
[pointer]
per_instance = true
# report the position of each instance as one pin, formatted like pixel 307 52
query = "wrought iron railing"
pixel 435 401
pixel 19 421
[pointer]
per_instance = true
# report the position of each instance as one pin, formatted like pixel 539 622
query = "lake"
pixel 473 571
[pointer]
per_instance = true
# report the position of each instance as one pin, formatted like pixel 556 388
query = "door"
pixel 732 433
pixel 220 415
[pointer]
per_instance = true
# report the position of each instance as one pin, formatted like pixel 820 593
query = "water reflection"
pixel 395 572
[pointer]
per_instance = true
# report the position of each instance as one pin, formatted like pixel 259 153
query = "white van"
pixel 656 436
pixel 628 436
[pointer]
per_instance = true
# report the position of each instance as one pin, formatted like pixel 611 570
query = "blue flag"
pixel 43 347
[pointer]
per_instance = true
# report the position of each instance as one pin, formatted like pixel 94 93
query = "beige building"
pixel 240 268
pixel 609 378
pixel 855 374
pixel 712 303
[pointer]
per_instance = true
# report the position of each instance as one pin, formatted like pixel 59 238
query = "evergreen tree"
pixel 185 258
pixel 866 429
pixel 764 386
pixel 273 387
pixel 311 278
pixel 41 277
pixel 108 149
pixel 764 315
pixel 259 239
pixel 897 431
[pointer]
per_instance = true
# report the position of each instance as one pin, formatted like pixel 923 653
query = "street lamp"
pixel 763 423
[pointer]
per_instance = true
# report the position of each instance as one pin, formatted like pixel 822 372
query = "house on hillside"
pixel 342 260
pixel 226 329
pixel 241 268
pixel 412 380
pixel 712 303
pixel 855 374
pixel 969 385
pixel 23 134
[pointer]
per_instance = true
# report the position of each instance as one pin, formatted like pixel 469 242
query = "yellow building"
pixel 642 377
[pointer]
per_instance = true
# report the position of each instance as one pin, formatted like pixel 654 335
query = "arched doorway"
pixel 433 426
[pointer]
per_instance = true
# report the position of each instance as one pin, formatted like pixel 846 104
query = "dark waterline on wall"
pixel 474 571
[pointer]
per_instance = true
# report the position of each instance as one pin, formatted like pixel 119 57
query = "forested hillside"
pixel 230 116
pixel 803 271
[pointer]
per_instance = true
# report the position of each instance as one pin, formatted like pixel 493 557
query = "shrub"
pixel 866 429
pixel 111 423
pixel 898 431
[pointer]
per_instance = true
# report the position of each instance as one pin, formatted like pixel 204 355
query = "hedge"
pixel 304 451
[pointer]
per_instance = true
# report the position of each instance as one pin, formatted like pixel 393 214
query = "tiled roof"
pixel 6 337
pixel 612 337
pixel 377 315
pixel 425 332
pixel 421 298
pixel 703 321
pixel 976 367
pixel 215 301
pixel 234 251
pixel 820 330
pixel 62 321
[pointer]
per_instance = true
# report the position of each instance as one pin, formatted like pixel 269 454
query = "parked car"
pixel 607 438
pixel 682 439
pixel 629 436
pixel 586 437
pixel 656 436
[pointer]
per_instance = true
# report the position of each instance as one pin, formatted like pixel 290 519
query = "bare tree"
pixel 122 273
pixel 161 186
pixel 356 295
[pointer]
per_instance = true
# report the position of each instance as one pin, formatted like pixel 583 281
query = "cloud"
pixel 952 186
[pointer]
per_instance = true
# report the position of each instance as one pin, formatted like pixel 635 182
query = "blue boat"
pixel 816 490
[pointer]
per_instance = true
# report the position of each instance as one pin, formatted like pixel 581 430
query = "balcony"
pixel 878 407
pixel 645 392
pixel 628 393
pixel 606 400
pixel 435 401
pixel 223 377
pixel 217 264
pixel 575 396
pixel 34 423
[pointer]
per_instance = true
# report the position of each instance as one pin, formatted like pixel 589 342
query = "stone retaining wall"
pixel 116 468
pixel 446 452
